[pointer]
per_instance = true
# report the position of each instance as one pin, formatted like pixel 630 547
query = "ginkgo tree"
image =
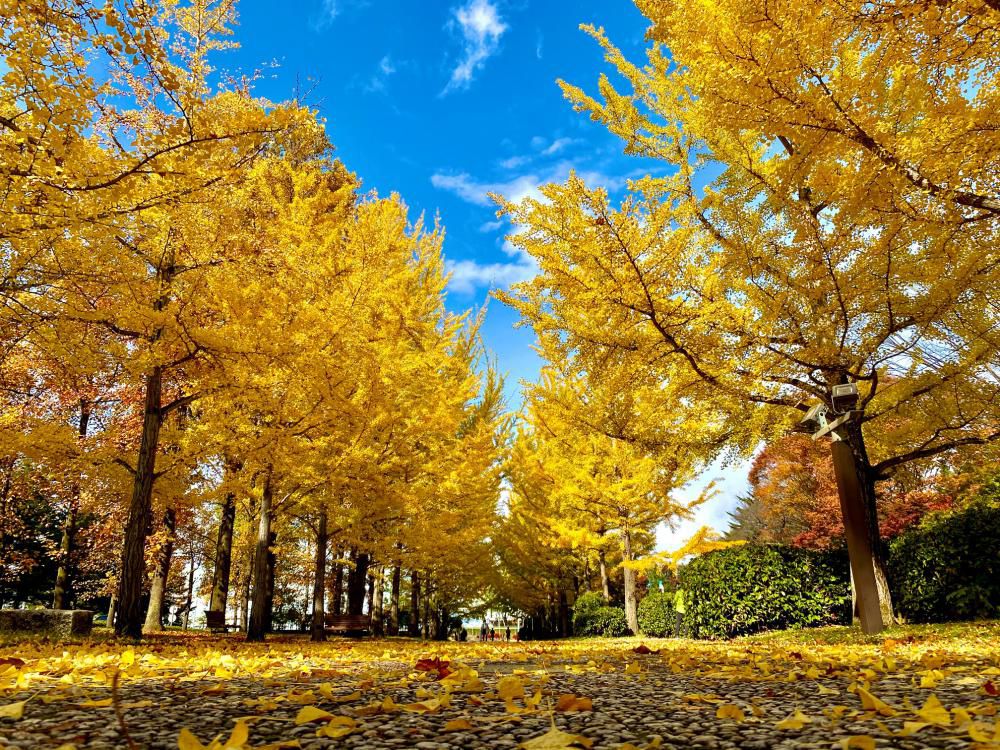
pixel 583 485
pixel 829 185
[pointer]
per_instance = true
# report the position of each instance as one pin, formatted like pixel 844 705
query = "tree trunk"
pixel 370 593
pixel 428 623
pixel 319 582
pixel 244 621
pixel 866 480
pixel 563 614
pixel 393 628
pixel 189 601
pixel 112 610
pixel 272 564
pixel 356 584
pixel 258 611
pixel 605 583
pixel 378 608
pixel 337 603
pixel 61 591
pixel 158 587
pixel 133 563
pixel 414 626
pixel 631 604
pixel 223 556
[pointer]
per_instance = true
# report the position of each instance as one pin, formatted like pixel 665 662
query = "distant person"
pixel 493 634
pixel 508 634
pixel 482 632
pixel 679 612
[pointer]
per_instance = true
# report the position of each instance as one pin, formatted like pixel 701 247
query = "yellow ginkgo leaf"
pixel 187 741
pixel 338 726
pixel 510 687
pixel 795 721
pixel 572 702
pixel 239 737
pixel 933 712
pixel 870 703
pixel 311 713
pixel 633 668
pixel 103 703
pixel 556 739
pixel 730 711
pixel 911 727
pixel 859 741
pixel 457 725
pixel 12 710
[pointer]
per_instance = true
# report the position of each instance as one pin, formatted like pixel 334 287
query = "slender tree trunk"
pixel 356 585
pixel 61 591
pixel 563 614
pixel 112 610
pixel 319 582
pixel 414 627
pixel 257 626
pixel 223 556
pixel 245 591
pixel 189 601
pixel 158 587
pixel 133 564
pixel 393 628
pixel 272 564
pixel 605 583
pixel 866 480
pixel 378 608
pixel 428 624
pixel 631 604
pixel 370 594
pixel 336 606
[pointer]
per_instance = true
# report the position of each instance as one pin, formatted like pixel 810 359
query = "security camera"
pixel 814 419
pixel 845 397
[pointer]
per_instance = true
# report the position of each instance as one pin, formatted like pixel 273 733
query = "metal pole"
pixel 859 549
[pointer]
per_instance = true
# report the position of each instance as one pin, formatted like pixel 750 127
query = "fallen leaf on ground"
pixel 795 721
pixel 730 711
pixel 859 741
pixel 571 702
pixel 556 739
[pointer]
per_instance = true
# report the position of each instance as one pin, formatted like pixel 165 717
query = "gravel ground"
pixel 635 708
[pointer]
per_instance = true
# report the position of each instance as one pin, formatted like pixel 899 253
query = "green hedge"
pixel 948 567
pixel 593 616
pixel 752 588
pixel 656 615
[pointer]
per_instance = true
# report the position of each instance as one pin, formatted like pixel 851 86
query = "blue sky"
pixel 444 102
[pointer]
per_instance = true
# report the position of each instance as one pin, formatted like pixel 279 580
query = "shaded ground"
pixel 811 689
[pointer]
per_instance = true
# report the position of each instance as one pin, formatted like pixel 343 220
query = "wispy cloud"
pixel 481 27
pixel 469 275
pixel 328 12
pixel 386 68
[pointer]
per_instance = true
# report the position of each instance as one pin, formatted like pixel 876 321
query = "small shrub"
pixel 656 615
pixel 948 567
pixel 583 611
pixel 752 588
pixel 609 622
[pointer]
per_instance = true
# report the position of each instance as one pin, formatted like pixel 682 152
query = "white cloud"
pixel 386 68
pixel 329 10
pixel 513 162
pixel 469 275
pixel 558 145
pixel 481 27
pixel 490 226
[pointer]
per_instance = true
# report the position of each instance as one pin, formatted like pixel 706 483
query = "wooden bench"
pixel 348 624
pixel 215 620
